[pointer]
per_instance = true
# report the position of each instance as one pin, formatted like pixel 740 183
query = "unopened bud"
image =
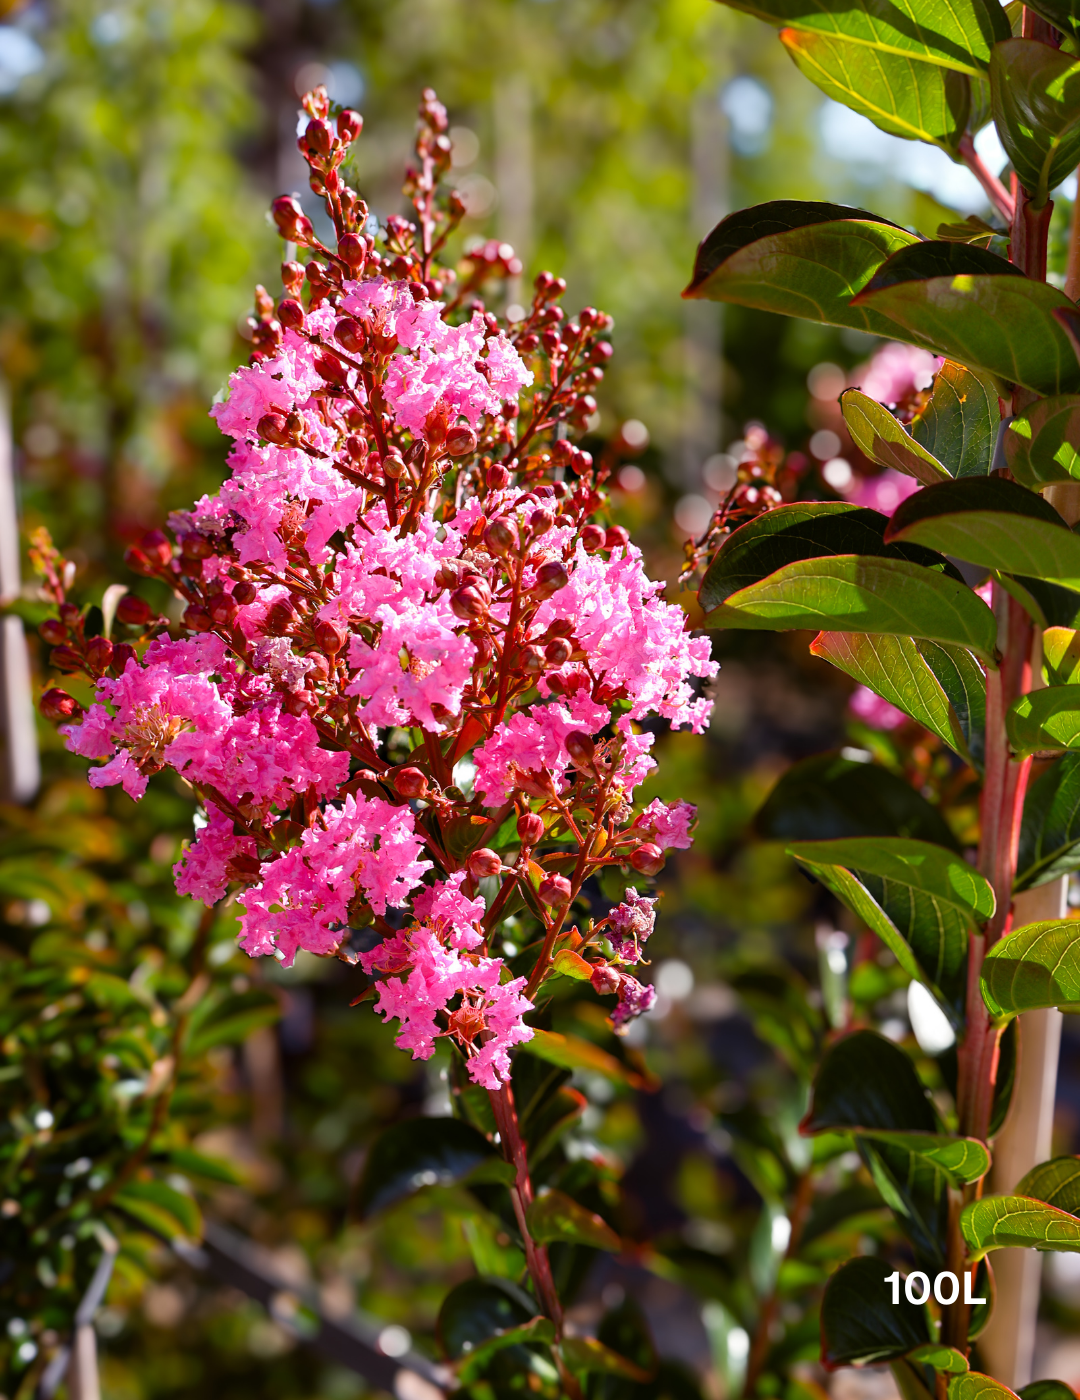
pixel 470 601
pixel 53 631
pixel 330 636
pixel 555 890
pixel 195 546
pixel 319 136
pixel 99 652
pixel 558 651
pixel 330 368
pixel 66 658
pixel 137 561
pixel 292 223
pixel 605 979
pixel 349 126
pixel 647 859
pixel 460 441
pixel 299 702
pixel 156 546
pixel 352 248
pixel 122 654
pixel 223 609
pixel 393 466
pixel 292 277
pixel 349 334
pixel 280 616
pixel 581 749
pixel 245 593
pixel 540 522
pixel 592 538
pixel 274 427
pixel 615 537
pixel 196 619
pixel 291 313
pixel 485 648
pixel 500 536
pixel 482 864
pixel 58 704
pixel 409 782
pixel 550 578
pixel 530 828
pixel 133 611
pixel 498 477
pixel 318 667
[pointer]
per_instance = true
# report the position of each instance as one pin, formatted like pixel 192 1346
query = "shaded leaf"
pixel 860 1324
pixel 477 1355
pixel 1045 719
pixel 1042 444
pixel 587 1354
pixel 419 1152
pixel 557 1216
pixel 1065 14
pixel 1056 1182
pixel 885 440
pixel 964 682
pixel 1047 1390
pixel 865 1081
pixel 161 1207
pixel 231 1020
pixel 959 423
pixel 958 1159
pixel 1034 967
pixel 1050 831
pixel 478 1310
pixel 185 1159
pixel 1035 95
pixel 1011 1222
pixel 573 1052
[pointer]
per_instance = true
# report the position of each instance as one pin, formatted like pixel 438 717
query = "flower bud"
pixel 485 648
pixel 647 859
pixel 498 478
pixel 299 702
pixel 156 547
pixel 540 522
pixel 245 593
pixel 530 828
pixel 558 652
pixel 330 368
pixel 605 979
pixel 223 609
pixel 133 610
pixel 349 126
pixel 581 749
pixel 195 546
pixel 58 704
pixel 592 538
pixel 349 334
pixel 532 660
pixel 500 536
pixel 99 651
pixel 318 667
pixel 550 578
pixel 555 890
pixel 615 537
pixel 65 658
pixel 319 137
pixel 470 601
pixel 291 313
pixel 292 223
pixel 352 248
pixel 53 631
pixel 330 636
pixel 409 782
pixel 274 427
pixel 137 561
pixel 482 864
pixel 393 466
pixel 280 616
pixel 460 440
pixel 196 619
pixel 292 278
pixel 122 654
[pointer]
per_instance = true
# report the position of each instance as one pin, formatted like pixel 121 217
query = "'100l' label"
pixel 917 1288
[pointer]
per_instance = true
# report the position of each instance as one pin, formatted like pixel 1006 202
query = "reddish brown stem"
pixel 999 196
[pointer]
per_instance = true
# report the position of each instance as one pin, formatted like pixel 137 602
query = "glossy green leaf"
pixel 916 1192
pixel 1061 656
pixel 946 1359
pixel 1050 831
pixel 920 899
pixel 1034 967
pixel 956 33
pixel 903 96
pixel 1017 1222
pixel 959 423
pixel 885 440
pixel 964 682
pixel 799 259
pixel 978 308
pixel 895 669
pixel 958 1159
pixel 557 1216
pixel 1056 1182
pixel 1035 94
pixel 858 593
pixel 478 1310
pixel 1045 719
pixel 828 795
pixel 975 1386
pixel 419 1152
pixel 860 1324
pixel 995 523
pixel 864 1082
pixel 1048 604
pixel 161 1207
pixel 1047 1390
pixel 805 530
pixel 1042 444
pixel 539 1331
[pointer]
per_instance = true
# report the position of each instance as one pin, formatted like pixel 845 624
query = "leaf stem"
pixel 999 196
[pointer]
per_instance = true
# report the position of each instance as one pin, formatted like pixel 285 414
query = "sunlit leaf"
pixel 1045 719
pixel 1035 94
pixel 161 1207
pixel 946 1359
pixel 959 423
pixel 556 1216
pixel 1056 1182
pixel 1034 967
pixel 1050 831
pixel 1011 1222
pixel 1042 444
pixel 882 438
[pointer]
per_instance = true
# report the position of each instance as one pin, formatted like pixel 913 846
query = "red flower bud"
pixel 409 782
pixel 530 828
pixel 581 749
pixel 293 224
pixel 615 537
pixel 245 593
pixel 349 334
pixel 223 609
pixel 122 654
pixel 280 616
pixel 99 652
pixel 274 427
pixel 319 137
pixel 319 666
pixel 485 648
pixel 500 536
pixel 156 547
pixel 299 702
pixel 66 658
pixel 460 441
pixel 349 126
pixel 592 538
pixel 195 546
pixel 482 864
pixel 471 601
pixel 393 466
pixel 554 890
pixel 330 637
pixel 532 660
pixel 291 313
pixel 550 578
pixel 137 561
pixel 196 619
pixel 133 610
pixel 647 859
pixel 605 979
pixel 498 478
pixel 58 704
pixel 330 368
pixel 352 248
pixel 53 631
pixel 292 277
pixel 558 651
pixel 540 522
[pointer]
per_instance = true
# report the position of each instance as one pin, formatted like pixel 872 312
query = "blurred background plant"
pixel 139 143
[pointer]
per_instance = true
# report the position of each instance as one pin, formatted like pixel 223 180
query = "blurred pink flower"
pixel 872 710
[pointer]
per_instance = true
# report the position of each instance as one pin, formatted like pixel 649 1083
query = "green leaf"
pixel 1048 604
pixel 920 899
pixel 1056 1182
pixel 895 669
pixel 860 1324
pixel 572 964
pixel 799 259
pixel 162 1208
pixel 959 423
pixel 479 1310
pixel 1061 655
pixel 587 1354
pixel 828 795
pixel 975 1386
pixel 556 1216
pixel 1034 967
pixel 917 1193
pixel 956 33
pixel 958 1159
pixel 184 1159
pixel 858 593
pixel 626 1330
pixel 1047 1390
pixel 419 1152
pixel 903 96
pixel 964 682
pixel 1042 444
pixel 1035 94
pixel 1045 719
pixel 231 1020
pixel 539 1331
pixel 806 530
pixel 1050 831
pixel 573 1052
pixel 1017 1222
pixel 1065 15
pixel 992 522
pixel 946 1359
pixel 885 440
pixel 866 1082
pixel 980 309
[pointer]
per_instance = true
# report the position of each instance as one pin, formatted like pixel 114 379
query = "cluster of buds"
pixel 754 491
pixel 408 544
